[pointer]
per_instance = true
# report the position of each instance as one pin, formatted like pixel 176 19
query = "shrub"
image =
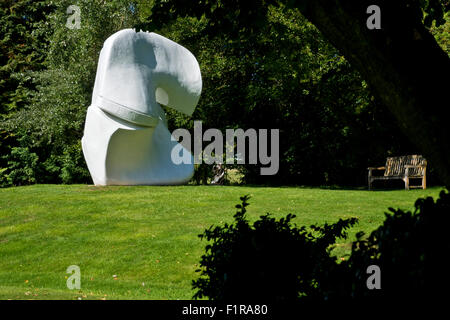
pixel 276 261
pixel 410 249
pixel 269 260
pixel 73 168
pixel 22 165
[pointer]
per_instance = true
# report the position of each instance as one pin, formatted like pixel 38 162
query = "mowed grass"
pixel 141 242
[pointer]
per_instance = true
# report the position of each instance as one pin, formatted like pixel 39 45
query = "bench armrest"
pixel 376 168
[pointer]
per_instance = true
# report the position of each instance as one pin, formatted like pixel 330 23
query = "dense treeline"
pixel 273 72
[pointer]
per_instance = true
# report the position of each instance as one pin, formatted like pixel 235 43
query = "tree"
pixel 400 62
pixel 263 65
pixel 22 49
pixel 285 75
pixel 49 124
pixel 21 46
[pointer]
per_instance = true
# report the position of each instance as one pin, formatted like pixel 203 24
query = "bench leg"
pixel 424 182
pixel 406 179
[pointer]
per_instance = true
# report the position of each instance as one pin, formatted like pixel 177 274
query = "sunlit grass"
pixel 147 236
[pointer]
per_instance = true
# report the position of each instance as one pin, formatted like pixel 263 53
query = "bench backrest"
pixel 395 166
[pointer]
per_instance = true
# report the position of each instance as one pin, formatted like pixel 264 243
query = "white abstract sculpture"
pixel 126 140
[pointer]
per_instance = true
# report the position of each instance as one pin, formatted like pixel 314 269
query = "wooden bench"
pixel 404 168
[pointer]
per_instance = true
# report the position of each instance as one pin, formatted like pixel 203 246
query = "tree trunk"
pixel 401 62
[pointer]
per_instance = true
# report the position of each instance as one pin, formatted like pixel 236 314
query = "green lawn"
pixel 147 236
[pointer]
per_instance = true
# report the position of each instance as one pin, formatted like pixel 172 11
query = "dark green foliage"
pixel 21 46
pixel 22 50
pixel 274 260
pixel 22 166
pixel 433 10
pixel 263 66
pixel 410 248
pixel 229 16
pixel 54 98
pixel 269 68
pixel 288 77
pixel 268 261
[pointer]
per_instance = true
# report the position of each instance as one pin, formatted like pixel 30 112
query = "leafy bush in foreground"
pixel 275 261
pixel 269 260
pixel 410 249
